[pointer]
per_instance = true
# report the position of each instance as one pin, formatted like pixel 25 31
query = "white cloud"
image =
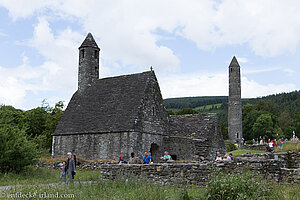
pixel 126 33
pixel 126 27
pixel 242 59
pixel 58 73
pixel 215 85
pixel 252 89
pixel 3 34
pixel 267 69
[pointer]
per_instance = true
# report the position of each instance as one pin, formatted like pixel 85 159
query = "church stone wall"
pixel 106 145
pixel 194 137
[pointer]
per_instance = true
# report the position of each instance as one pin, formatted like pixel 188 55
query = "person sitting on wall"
pixel 121 161
pixel 226 158
pixel 217 154
pixel 231 156
pixel 269 149
pixel 146 158
pixel 219 157
pixel 151 161
pixel 167 157
pixel 134 160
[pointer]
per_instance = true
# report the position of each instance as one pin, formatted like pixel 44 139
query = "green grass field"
pixel 241 151
pixel 288 146
pixel 207 107
pixel 133 189
pixel 39 175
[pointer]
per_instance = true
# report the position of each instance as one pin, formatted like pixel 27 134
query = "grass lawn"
pixel 207 107
pixel 36 175
pixel 241 151
pixel 288 146
pixel 134 189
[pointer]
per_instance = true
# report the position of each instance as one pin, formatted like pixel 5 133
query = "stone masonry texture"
pixel 235 103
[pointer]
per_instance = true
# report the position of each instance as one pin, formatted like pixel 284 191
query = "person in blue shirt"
pixel 146 158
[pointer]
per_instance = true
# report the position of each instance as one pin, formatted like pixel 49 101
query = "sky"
pixel 188 43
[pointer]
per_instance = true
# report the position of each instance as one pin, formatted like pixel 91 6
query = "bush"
pixel 230 146
pixel 249 142
pixel 245 185
pixel 16 151
pixel 186 111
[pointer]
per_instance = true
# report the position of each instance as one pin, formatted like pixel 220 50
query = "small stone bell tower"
pixel 235 103
pixel 88 70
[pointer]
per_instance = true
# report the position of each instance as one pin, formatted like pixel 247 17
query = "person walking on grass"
pixel 74 171
pixel 70 166
pixel 63 173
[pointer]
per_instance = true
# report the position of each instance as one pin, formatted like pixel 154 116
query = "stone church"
pixel 111 117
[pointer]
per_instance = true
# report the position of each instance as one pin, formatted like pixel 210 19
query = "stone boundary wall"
pixel 198 173
pixel 281 167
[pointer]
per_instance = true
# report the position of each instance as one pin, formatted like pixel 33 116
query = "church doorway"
pixel 155 152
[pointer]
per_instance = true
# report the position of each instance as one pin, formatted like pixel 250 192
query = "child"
pixel 63 173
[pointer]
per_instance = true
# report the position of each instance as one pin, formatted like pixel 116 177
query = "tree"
pixel 268 105
pixel 53 118
pixel 286 124
pixel 35 121
pixel 16 150
pixel 10 115
pixel 263 126
pixel 249 118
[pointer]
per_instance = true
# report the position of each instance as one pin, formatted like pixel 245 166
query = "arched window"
pixel 237 135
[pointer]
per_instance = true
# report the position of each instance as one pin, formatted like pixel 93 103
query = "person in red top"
pixel 151 161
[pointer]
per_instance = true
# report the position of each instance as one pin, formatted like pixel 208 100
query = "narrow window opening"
pixel 95 53
pixel 82 53
pixel 230 69
pixel 237 135
pixel 153 111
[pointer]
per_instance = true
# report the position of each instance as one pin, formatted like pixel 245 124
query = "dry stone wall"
pixel 281 167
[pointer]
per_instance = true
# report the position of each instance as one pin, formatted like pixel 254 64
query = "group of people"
pixel 146 159
pixel 225 158
pixel 68 168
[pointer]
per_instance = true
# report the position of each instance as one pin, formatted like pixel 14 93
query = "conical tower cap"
pixel 89 42
pixel 234 62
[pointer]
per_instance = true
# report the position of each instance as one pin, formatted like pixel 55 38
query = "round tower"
pixel 235 103
pixel 88 70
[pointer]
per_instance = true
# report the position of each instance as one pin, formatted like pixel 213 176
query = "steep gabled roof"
pixel 109 105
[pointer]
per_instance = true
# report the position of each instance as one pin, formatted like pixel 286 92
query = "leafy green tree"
pixel 286 123
pixel 248 122
pixel 269 106
pixel 16 150
pixel 263 126
pixel 54 116
pixel 10 115
pixel 35 121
